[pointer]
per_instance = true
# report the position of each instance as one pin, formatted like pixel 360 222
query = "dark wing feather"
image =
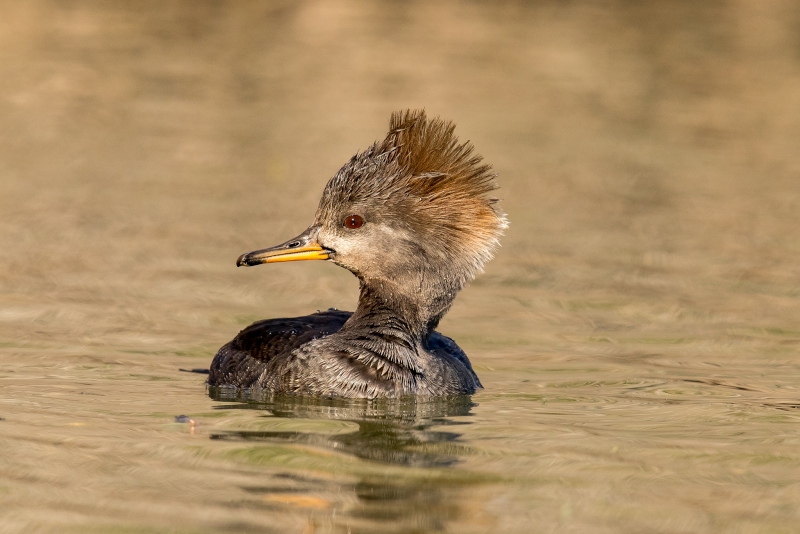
pixel 265 340
pixel 242 361
pixel 440 343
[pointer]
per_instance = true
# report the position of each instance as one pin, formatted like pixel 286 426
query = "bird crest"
pixel 432 183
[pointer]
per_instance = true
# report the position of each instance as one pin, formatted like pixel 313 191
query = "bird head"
pixel 415 208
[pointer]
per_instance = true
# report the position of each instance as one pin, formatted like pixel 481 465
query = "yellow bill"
pixel 302 247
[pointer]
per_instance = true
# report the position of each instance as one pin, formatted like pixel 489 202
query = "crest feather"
pixel 440 185
pixel 432 158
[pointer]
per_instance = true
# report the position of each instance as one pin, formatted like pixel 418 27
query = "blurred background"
pixel 648 159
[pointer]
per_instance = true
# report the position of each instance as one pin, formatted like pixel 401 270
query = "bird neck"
pixel 412 308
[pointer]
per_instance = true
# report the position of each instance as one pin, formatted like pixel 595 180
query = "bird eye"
pixel 353 221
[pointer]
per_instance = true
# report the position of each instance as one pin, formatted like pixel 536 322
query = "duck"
pixel 415 219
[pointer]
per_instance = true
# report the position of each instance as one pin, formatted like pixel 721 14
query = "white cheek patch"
pixel 345 247
pixel 364 248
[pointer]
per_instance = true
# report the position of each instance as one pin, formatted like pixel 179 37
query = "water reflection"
pixel 403 433
pixel 391 431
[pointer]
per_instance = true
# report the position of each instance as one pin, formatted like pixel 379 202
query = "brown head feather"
pixel 428 183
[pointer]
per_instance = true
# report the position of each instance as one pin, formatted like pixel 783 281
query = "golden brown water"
pixel 638 334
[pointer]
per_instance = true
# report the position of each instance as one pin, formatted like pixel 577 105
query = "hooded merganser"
pixel 412 218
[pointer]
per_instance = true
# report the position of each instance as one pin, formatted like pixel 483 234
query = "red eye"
pixel 353 221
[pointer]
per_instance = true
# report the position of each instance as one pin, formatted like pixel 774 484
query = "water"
pixel 637 334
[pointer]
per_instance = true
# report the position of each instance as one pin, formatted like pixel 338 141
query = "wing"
pixel 441 343
pixel 241 362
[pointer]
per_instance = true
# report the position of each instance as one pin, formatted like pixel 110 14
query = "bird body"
pixel 315 355
pixel 410 217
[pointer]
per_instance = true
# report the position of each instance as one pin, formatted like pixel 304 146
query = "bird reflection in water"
pixel 390 431
pixel 403 432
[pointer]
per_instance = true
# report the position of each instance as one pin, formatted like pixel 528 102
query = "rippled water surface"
pixel 638 334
